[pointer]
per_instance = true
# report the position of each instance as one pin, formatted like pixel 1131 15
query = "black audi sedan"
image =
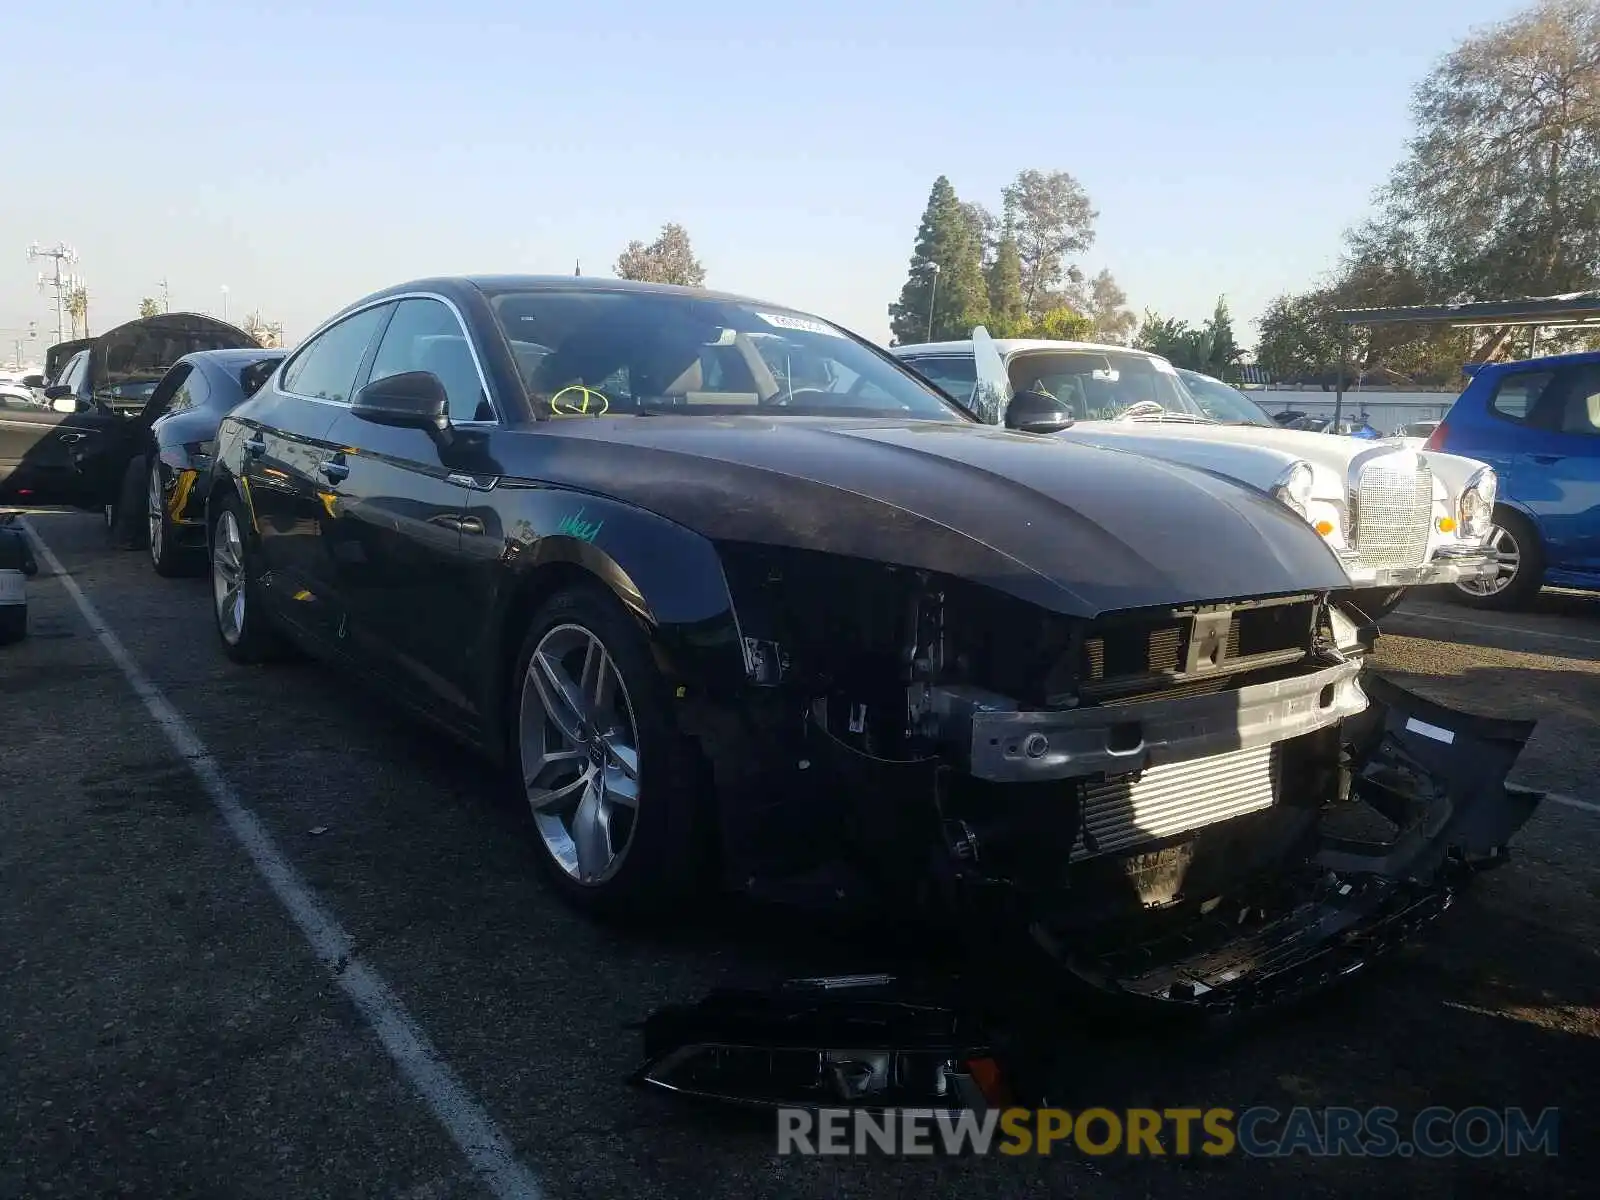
pixel 739 599
pixel 163 457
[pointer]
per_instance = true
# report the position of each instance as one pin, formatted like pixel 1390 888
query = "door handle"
pixel 256 446
pixel 1546 459
pixel 333 470
pixel 73 439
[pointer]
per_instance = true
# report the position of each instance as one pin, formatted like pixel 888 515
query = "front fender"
pixel 670 577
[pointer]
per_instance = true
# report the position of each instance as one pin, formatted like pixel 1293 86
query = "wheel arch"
pixel 668 577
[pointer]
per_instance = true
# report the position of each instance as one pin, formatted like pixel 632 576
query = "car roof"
pixel 1581 358
pixel 230 360
pixel 1015 345
pixel 491 285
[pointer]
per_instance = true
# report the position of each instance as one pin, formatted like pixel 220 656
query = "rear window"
pixel 252 376
pixel 1518 393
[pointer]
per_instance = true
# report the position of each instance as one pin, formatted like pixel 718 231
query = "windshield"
pixel 1222 402
pixel 588 351
pixel 1102 385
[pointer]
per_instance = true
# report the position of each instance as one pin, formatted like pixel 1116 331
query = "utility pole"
pixel 166 296
pixel 62 255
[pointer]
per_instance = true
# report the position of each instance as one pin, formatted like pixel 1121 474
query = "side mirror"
pixel 63 404
pixel 410 400
pixel 1035 412
pixel 57 390
pixel 33 381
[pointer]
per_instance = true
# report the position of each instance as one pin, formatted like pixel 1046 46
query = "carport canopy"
pixel 1574 310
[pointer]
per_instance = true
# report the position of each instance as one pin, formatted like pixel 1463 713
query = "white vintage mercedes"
pixel 1397 516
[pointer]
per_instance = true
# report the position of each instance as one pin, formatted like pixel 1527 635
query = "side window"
pixel 326 368
pixel 958 376
pixel 1519 393
pixel 425 336
pixel 1580 408
pixel 72 375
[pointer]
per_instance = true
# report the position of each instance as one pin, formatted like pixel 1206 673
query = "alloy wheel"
pixel 228 577
pixel 1509 555
pixel 580 753
pixel 154 506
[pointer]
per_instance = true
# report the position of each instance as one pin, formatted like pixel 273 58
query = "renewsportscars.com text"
pixel 1256 1132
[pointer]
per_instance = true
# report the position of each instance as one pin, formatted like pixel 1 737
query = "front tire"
pixel 1377 603
pixel 243 623
pixel 1521 554
pixel 610 780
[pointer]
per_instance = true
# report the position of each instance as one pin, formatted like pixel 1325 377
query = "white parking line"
pixel 467 1122
pixel 1501 629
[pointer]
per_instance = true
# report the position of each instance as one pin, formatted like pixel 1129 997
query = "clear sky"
pixel 301 154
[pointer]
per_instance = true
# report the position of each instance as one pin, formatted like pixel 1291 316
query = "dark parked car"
pixel 1537 422
pixel 74 451
pixel 729 590
pixel 167 454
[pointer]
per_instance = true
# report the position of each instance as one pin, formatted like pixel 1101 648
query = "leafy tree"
pixel 945 277
pixel 1053 218
pixel 668 259
pixel 1497 197
pixel 1062 325
pixel 984 228
pixel 78 311
pixel 1500 187
pixel 1108 308
pixel 148 307
pixel 1209 348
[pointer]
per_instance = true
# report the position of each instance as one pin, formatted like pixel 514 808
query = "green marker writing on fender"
pixel 574 525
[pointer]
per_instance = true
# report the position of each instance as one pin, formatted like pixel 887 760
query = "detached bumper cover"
pixel 1436 774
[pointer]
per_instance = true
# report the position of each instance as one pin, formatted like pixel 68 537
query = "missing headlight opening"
pixel 1157 807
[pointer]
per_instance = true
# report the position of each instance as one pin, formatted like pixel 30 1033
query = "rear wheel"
pixel 609 779
pixel 1516 544
pixel 166 555
pixel 243 623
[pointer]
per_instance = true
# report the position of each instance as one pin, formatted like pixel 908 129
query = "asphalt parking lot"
pixel 171 1031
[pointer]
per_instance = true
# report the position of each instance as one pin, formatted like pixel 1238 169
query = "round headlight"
pixel 1475 509
pixel 1293 487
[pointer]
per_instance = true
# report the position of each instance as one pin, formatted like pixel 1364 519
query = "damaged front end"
pixel 1198 810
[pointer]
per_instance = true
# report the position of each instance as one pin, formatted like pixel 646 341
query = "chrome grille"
pixel 1393 512
pixel 1176 797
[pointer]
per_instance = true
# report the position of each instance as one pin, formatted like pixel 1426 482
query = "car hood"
pixel 1074 528
pixel 1332 451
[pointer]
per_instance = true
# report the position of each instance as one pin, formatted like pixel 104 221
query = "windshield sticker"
pixel 573 525
pixel 802 324
pixel 579 401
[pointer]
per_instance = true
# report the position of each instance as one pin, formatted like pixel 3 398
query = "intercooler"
pixel 1176 797
pixel 1393 514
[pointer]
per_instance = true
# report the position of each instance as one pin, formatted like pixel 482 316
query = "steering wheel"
pixel 785 399
pixel 1144 408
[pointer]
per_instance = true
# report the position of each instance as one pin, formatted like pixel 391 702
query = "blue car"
pixel 1537 423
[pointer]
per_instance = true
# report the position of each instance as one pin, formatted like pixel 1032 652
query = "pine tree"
pixel 1008 314
pixel 946 241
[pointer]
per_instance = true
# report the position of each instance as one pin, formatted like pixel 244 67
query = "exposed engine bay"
pixel 1206 808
